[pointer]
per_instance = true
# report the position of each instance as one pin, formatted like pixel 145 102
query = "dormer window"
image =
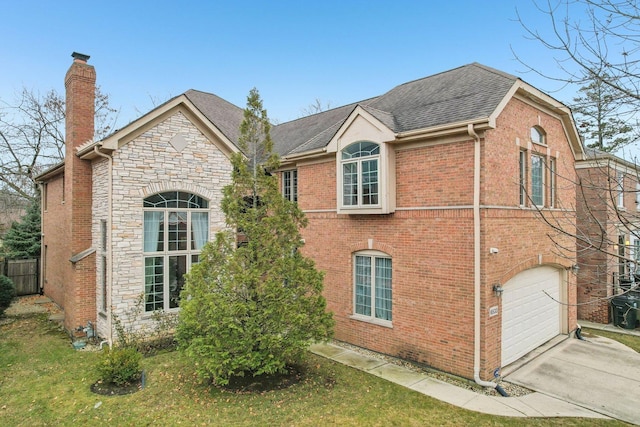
pixel 360 175
pixel 366 178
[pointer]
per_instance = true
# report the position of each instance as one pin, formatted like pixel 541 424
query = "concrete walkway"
pixel 531 405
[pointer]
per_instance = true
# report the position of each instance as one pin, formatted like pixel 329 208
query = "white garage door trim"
pixel 531 314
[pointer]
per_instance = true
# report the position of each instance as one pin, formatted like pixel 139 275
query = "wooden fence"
pixel 25 274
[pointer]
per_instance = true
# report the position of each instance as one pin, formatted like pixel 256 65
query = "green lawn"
pixel 43 381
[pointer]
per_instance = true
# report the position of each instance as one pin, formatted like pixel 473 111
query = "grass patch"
pixel 631 341
pixel 43 381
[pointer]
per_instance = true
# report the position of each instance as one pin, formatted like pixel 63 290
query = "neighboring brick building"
pixel 608 244
pixel 425 210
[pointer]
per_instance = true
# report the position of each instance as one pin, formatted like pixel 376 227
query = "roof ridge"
pixel 329 110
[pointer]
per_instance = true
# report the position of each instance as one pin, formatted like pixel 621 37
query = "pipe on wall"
pixel 476 259
pixel 96 149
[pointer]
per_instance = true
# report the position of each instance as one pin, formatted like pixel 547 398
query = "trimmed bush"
pixel 119 365
pixel 7 293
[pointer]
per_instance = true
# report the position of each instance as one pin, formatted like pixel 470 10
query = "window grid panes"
pixel 290 185
pixel 383 288
pixel 373 287
pixel 370 182
pixel 537 180
pixel 350 184
pixel 172 241
pixel 363 285
pixel 360 174
pixel 154 283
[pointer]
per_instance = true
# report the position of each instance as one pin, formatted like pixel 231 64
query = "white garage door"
pixel 530 311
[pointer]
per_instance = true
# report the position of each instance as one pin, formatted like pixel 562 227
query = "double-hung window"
pixel 373 287
pixel 176 227
pixel 360 175
pixel 290 185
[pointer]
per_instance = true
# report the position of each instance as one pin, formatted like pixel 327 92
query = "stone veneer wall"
pixel 147 165
pixel 100 208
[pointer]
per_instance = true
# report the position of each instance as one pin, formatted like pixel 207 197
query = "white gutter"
pixel 96 149
pixel 476 259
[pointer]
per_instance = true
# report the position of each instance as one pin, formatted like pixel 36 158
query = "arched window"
pixel 537 135
pixel 176 227
pixel 360 174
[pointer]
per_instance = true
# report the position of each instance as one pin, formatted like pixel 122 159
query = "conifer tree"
pixel 253 308
pixel 23 238
pixel 602 116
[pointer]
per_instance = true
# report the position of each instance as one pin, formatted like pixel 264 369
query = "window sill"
pixel 541 144
pixel 379 322
pixel 148 315
pixel 363 210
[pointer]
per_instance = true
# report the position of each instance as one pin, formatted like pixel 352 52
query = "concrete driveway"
pixel 598 374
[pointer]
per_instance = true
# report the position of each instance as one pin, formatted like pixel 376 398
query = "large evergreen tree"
pixel 253 308
pixel 23 238
pixel 602 116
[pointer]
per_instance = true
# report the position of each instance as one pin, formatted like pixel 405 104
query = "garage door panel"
pixel 530 311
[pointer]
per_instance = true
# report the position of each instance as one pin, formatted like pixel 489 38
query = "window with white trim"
pixel 360 174
pixel 522 163
pixel 290 185
pixel 372 293
pixel 620 189
pixel 537 136
pixel 553 186
pixel 537 180
pixel 176 227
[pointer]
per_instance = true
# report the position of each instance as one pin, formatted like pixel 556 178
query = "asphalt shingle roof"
pixel 470 92
pixel 223 114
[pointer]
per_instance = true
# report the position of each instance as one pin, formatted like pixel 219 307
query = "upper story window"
pixel 176 227
pixel 522 163
pixel 290 185
pixel 537 180
pixel 360 175
pixel 553 182
pixel 537 136
pixel 620 189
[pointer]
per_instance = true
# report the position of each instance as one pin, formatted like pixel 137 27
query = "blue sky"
pixel 294 52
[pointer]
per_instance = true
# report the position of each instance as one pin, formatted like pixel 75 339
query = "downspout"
pixel 109 249
pixel 42 251
pixel 476 259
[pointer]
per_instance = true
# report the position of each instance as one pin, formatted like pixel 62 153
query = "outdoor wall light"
pixel 575 268
pixel 498 289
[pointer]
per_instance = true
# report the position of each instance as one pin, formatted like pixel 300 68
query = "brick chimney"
pixel 79 289
pixel 80 84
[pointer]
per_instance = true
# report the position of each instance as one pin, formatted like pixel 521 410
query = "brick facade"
pixel 430 240
pixel 429 235
pixel 67 217
pixel 599 225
